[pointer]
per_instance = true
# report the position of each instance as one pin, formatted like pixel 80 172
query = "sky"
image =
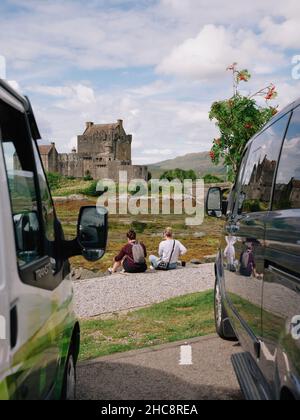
pixel 156 64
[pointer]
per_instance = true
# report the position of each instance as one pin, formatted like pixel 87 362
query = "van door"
pixel 245 234
pixel 35 353
pixel 5 392
pixel 281 296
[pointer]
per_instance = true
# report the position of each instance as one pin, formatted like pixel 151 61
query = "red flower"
pixel 232 67
pixel 272 94
pixel 212 155
pixel 248 126
pixel 243 76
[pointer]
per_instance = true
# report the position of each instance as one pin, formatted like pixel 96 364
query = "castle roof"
pixel 92 128
pixel 46 149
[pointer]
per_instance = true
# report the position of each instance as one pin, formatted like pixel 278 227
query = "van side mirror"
pixel 214 205
pixel 92 232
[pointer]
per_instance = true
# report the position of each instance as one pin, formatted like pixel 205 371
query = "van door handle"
pixel 13 327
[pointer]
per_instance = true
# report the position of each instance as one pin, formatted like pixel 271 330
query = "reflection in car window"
pixel 24 207
pixel 257 182
pixel 287 190
pixel 48 208
pixel 48 212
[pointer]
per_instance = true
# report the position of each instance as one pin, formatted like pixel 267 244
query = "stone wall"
pixel 73 165
pixel 50 161
pixel 70 165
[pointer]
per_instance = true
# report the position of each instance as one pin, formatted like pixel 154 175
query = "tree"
pixel 238 119
pixel 179 174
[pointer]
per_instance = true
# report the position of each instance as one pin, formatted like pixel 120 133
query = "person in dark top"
pixel 132 256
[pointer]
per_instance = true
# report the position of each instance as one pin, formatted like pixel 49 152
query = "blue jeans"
pixel 154 261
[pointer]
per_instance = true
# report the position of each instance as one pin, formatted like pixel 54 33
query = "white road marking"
pixel 186 356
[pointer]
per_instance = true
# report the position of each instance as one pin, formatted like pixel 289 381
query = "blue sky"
pixel 156 64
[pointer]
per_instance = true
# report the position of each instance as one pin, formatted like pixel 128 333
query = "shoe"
pixel 110 271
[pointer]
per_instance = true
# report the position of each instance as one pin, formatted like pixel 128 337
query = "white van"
pixel 39 334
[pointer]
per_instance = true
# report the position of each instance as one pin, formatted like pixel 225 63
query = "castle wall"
pixel 99 144
pixel 123 149
pixel 73 165
pixel 53 161
pixel 70 165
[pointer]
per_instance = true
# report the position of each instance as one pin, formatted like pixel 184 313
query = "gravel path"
pixel 121 292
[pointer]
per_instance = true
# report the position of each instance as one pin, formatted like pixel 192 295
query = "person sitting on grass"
pixel 169 252
pixel 132 256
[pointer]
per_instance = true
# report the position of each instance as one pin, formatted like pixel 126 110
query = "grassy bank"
pixel 200 240
pixel 174 320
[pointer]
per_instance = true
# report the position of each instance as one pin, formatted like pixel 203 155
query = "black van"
pixel 257 292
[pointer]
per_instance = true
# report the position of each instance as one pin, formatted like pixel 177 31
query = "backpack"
pixel 138 253
pixel 246 265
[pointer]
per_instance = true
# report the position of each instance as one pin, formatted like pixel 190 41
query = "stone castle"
pixel 103 150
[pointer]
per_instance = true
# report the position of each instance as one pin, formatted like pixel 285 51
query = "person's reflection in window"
pixel 247 261
pixel 230 254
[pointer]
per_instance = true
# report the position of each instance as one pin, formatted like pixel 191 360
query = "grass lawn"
pixel 174 320
pixel 200 240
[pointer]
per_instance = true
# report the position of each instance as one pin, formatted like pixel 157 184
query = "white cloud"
pixel 104 35
pixel 161 127
pixel 80 93
pixel 284 34
pixel 188 42
pixel 206 56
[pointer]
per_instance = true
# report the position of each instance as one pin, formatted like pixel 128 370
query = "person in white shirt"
pixel 169 252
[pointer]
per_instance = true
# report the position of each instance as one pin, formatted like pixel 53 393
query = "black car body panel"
pixel 258 265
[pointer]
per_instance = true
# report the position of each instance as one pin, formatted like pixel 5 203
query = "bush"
pixel 139 227
pixel 91 190
pixel 212 179
pixel 54 180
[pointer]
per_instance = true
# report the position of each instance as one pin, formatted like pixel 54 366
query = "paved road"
pixel 155 374
pixel 124 292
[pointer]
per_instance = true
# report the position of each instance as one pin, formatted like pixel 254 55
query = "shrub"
pixel 91 190
pixel 211 179
pixel 54 180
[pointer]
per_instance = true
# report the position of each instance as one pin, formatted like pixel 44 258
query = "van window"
pixel 47 204
pixel 257 182
pixel 32 208
pixel 287 190
pixel 21 182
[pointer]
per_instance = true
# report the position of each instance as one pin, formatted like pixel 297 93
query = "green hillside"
pixel 199 162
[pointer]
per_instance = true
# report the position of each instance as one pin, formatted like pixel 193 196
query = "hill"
pixel 199 162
